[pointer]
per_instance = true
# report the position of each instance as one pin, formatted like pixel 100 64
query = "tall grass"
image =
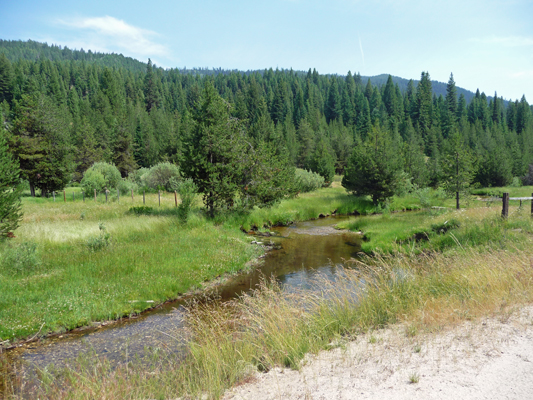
pixel 269 328
pixel 76 282
pixel 439 230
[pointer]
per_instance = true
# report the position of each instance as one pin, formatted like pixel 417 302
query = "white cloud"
pixel 509 41
pixel 523 74
pixel 109 33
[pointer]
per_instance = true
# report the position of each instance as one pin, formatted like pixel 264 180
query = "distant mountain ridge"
pixel 32 51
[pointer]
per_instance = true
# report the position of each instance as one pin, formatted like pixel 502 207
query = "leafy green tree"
pixel 10 189
pixel 187 191
pixel 457 166
pixel 223 162
pixel 373 167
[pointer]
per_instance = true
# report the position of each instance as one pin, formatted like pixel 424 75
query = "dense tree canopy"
pixel 67 109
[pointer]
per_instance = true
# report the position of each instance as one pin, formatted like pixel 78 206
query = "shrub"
pixel 141 210
pixel 101 241
pixel 423 195
pixel 162 176
pixel 404 185
pixel 100 176
pixel 136 176
pixel 92 180
pixel 22 258
pixel 125 186
pixel 307 181
pixel 187 190
pixel 517 182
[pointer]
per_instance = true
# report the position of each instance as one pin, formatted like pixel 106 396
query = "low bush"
pixel 125 186
pixel 187 190
pixel 307 181
pixel 141 210
pixel 162 176
pixel 99 177
pixel 22 258
pixel 101 241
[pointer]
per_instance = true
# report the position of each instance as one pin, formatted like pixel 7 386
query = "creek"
pixel 300 253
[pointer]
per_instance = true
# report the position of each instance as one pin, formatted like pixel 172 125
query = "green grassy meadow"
pixel 147 258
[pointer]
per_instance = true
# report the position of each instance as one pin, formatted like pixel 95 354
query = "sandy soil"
pixel 490 358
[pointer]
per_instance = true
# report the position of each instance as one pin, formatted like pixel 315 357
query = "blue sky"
pixel 486 44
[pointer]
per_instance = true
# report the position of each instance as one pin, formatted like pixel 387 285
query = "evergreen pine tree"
pixel 10 189
pixel 457 167
pixel 41 143
pixel 151 96
pixel 6 79
pixel 322 162
pixel 450 116
pixel 424 106
pixel 373 167
pixel 333 109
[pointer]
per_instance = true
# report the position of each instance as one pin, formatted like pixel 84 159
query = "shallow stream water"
pixel 301 252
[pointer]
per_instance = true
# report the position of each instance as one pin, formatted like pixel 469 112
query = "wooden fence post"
pixel 106 191
pixel 505 209
pixel 159 195
pixel 54 194
pixel 176 198
pixel 94 194
pixel 64 196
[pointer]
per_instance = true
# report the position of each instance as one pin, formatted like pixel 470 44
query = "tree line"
pixel 68 109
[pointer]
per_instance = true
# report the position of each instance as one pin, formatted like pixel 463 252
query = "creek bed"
pixel 301 252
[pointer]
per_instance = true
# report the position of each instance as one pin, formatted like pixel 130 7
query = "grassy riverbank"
pixel 77 262
pixel 441 267
pixel 441 230
pixel 270 328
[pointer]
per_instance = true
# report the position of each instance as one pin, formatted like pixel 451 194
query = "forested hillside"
pixel 64 110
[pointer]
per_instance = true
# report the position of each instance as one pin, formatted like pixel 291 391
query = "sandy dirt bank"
pixel 491 358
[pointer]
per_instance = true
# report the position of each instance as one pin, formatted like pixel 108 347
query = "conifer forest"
pixel 244 132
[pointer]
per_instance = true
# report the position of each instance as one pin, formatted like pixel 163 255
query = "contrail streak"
pixel 361 48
